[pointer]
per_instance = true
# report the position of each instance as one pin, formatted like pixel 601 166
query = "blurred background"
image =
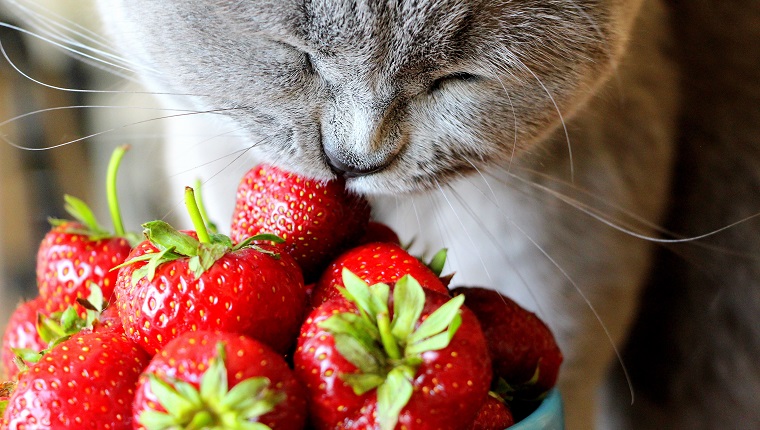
pixel 36 165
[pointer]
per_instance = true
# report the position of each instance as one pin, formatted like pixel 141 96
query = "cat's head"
pixel 395 95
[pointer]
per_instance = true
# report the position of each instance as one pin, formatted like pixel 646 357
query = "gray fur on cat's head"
pixel 400 94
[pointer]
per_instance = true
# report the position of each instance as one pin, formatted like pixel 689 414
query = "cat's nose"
pixel 350 170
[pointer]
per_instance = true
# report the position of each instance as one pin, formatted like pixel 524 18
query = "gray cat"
pixel 562 149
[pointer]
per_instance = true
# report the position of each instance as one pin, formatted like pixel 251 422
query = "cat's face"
pixel 399 94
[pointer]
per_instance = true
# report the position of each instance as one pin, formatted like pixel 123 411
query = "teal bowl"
pixel 548 416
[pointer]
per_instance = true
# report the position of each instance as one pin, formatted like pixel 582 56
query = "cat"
pixel 561 149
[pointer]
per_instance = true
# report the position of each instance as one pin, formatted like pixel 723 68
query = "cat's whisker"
pixel 464 228
pixel 79 90
pixel 238 155
pixel 241 151
pixel 514 126
pixel 626 227
pixel 182 113
pixel 53 26
pixel 63 46
pixel 495 241
pixel 523 66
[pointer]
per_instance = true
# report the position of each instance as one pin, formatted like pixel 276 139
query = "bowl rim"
pixel 548 416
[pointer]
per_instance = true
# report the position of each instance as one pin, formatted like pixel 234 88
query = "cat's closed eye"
pixel 439 83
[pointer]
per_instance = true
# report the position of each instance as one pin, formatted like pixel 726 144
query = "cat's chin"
pixel 383 185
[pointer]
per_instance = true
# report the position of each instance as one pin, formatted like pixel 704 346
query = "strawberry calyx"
pixel 438 261
pixel 385 346
pixel 6 389
pixel 60 326
pixel 203 252
pixel 510 392
pixel 214 405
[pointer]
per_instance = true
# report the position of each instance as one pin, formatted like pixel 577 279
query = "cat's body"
pixel 461 104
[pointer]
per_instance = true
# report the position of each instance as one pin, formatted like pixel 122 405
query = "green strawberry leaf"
pixel 26 355
pixel 208 254
pixel 222 240
pixel 357 291
pixel 175 403
pixel 435 342
pixel 245 393
pixel 164 236
pixel 154 260
pixel 367 360
pixel 392 396
pixel 438 321
pixel 154 420
pixel 438 262
pixel 213 384
pixel 262 237
pixel 408 303
pixel 362 382
pixel 352 325
pixel 79 210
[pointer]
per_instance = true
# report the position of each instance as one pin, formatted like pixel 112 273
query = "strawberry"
pixel 173 283
pixel 378 262
pixel 21 333
pixel 31 332
pixel 75 253
pixel 379 232
pixel 493 415
pixel 88 381
pixel 392 357
pixel 218 380
pixel 525 354
pixel 318 220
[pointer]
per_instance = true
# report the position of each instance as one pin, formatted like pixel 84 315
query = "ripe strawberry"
pixel 31 332
pixel 173 283
pixel 378 262
pixel 413 359
pixel 21 333
pixel 524 352
pixel 87 381
pixel 318 220
pixel 379 232
pixel 221 380
pixel 75 253
pixel 493 415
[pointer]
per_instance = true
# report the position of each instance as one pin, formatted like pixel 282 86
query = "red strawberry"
pixel 31 332
pixel 87 381
pixel 173 283
pixel 220 379
pixel 401 357
pixel 524 352
pixel 21 333
pixel 377 262
pixel 318 220
pixel 75 253
pixel 379 232
pixel 493 415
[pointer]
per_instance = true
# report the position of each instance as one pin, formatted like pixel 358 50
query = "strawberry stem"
pixel 195 216
pixel 202 208
pixel 111 195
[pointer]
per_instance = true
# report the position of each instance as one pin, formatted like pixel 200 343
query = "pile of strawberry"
pixel 308 316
